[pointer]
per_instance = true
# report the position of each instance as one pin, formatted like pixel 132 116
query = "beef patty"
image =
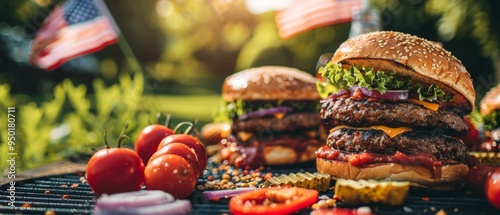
pixel 441 146
pixel 361 112
pixel 289 122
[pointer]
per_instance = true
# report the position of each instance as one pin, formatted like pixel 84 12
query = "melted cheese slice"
pixel 279 115
pixel 428 105
pixel 391 132
pixel 244 136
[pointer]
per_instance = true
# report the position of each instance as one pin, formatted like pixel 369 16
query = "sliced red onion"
pixel 134 199
pixel 145 202
pixel 207 195
pixel 389 94
pixel 336 95
pixel 265 112
pixel 178 207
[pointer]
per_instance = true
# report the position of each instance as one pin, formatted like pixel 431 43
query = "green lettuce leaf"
pixel 337 78
pixel 491 120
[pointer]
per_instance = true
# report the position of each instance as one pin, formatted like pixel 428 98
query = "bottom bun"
pixel 279 155
pixel 447 177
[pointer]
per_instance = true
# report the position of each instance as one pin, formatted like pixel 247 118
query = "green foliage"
pixel 491 120
pixel 72 122
pixel 340 78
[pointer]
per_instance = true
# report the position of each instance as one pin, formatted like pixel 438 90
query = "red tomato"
pixel 182 150
pixel 115 170
pixel 477 176
pixel 492 187
pixel 148 140
pixel 193 143
pixel 279 201
pixel 172 174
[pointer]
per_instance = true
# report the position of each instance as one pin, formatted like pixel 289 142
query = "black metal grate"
pixel 67 194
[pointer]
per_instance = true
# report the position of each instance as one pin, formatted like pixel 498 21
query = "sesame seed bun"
pixel 491 101
pixel 270 83
pixel 423 60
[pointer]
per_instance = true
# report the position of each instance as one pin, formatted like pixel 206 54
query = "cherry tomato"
pixel 492 187
pixel 476 177
pixel 182 150
pixel 193 143
pixel 272 201
pixel 115 170
pixel 172 174
pixel 148 140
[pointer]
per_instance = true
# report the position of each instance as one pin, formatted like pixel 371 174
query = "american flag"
pixel 74 28
pixel 304 15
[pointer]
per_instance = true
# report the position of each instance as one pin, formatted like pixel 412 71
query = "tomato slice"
pixel 284 200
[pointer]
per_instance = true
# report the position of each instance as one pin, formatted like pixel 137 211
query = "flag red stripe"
pixel 303 15
pixel 77 40
pixel 57 41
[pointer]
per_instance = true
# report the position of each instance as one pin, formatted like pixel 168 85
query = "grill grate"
pixel 66 194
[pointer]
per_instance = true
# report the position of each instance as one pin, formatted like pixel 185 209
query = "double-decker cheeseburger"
pixel 394 107
pixel 275 116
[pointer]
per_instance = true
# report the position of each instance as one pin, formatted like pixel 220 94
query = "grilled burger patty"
pixel 289 122
pixel 441 146
pixel 361 112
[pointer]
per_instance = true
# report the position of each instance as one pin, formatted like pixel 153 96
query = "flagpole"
pixel 122 41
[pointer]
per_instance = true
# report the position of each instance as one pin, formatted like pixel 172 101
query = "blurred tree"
pixel 188 46
pixel 469 29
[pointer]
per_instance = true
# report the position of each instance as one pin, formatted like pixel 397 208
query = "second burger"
pixel 274 116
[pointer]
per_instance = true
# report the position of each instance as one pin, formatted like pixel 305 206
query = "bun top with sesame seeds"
pixel 270 83
pixel 425 61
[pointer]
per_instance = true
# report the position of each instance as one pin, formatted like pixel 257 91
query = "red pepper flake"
pixel 210 178
pixel 47 192
pixel 245 172
pixel 268 176
pixel 65 196
pixel 64 185
pixel 79 173
pixel 425 198
pixel 26 205
pixel 74 186
pixel 216 199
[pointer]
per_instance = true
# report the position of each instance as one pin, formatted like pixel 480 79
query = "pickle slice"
pixel 318 181
pixel 370 191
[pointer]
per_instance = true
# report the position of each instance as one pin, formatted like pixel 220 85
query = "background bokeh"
pixel 187 48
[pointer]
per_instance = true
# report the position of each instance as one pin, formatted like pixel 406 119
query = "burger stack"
pixel 394 105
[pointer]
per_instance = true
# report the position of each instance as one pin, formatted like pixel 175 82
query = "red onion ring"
pixel 207 195
pixel 265 112
pixel 141 202
pixel 179 207
pixel 337 95
pixel 389 94
pixel 134 199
